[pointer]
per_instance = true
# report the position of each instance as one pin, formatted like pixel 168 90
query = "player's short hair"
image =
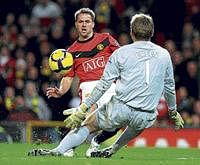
pixel 84 11
pixel 142 26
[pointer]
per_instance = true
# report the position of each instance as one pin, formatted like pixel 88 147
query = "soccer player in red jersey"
pixel 91 52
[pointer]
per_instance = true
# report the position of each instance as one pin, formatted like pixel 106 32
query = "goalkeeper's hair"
pixel 142 26
pixel 84 11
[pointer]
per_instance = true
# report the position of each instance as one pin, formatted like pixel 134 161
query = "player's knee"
pixel 91 124
pixel 91 128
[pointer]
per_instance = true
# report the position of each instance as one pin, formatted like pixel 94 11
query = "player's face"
pixel 84 26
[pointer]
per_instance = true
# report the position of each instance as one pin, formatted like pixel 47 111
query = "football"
pixel 60 61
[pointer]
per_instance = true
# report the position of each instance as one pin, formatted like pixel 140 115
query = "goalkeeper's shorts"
pixel 116 115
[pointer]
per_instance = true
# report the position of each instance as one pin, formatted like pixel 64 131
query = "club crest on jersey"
pixel 100 47
pixel 95 63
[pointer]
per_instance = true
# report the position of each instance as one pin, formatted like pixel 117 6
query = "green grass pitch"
pixel 16 154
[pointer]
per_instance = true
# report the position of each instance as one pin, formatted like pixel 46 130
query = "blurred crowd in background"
pixel 31 29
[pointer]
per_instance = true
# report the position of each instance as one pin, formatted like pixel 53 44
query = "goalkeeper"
pixel 143 71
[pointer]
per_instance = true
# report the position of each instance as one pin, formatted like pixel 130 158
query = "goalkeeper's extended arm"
pixel 170 96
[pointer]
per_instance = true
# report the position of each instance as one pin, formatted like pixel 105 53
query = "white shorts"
pixel 116 114
pixel 87 87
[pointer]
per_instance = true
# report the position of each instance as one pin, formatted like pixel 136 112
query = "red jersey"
pixel 91 56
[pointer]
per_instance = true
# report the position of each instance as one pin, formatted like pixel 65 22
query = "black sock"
pixel 104 135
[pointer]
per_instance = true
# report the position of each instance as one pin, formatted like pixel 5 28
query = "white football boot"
pixel 94 146
pixel 104 153
pixel 69 153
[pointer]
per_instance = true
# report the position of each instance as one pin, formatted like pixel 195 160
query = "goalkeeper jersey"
pixel 90 56
pixel 143 71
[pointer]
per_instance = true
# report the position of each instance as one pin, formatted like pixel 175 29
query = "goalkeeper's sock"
pixel 72 139
pixel 128 134
pixel 104 135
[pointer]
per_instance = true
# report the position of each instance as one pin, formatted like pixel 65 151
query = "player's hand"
pixel 77 116
pixel 53 92
pixel 176 117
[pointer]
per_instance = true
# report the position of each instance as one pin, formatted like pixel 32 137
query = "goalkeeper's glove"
pixel 176 117
pixel 77 115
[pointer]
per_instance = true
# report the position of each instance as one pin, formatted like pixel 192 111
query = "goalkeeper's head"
pixel 142 27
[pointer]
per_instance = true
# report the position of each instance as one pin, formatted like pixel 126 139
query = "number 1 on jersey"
pixel 147 72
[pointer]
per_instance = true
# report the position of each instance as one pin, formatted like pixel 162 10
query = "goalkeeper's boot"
pixel 104 153
pixel 94 146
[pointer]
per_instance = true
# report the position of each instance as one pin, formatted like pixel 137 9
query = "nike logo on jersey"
pixel 77 55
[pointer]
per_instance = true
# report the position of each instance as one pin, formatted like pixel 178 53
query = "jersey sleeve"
pixel 71 73
pixel 169 87
pixel 113 43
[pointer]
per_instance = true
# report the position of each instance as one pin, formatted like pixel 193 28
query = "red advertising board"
pixel 164 137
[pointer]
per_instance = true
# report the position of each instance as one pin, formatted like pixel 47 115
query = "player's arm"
pixel 169 86
pixel 170 96
pixel 56 92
